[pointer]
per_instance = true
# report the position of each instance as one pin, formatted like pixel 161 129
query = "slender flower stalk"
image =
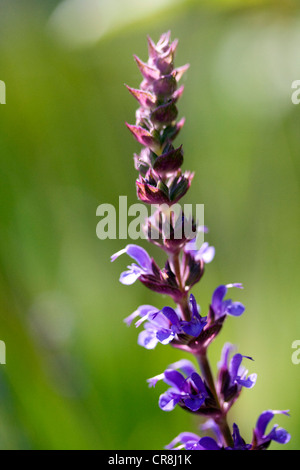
pixel 161 182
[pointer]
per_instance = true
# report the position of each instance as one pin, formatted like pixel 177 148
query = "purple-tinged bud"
pixel 168 162
pixel 171 132
pixel 144 137
pixel 168 230
pixel 145 98
pixel 142 161
pixel 151 194
pixel 180 185
pixel 162 286
pixel 165 86
pixel 163 281
pixel 162 56
pixel 194 271
pixel 142 118
pixel 149 73
pixel 163 41
pixel 164 114
pixel 164 62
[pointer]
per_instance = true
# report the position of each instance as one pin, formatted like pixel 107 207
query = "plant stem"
pixel 176 265
pixel 221 420
pixel 185 309
pixel 224 428
pixel 183 303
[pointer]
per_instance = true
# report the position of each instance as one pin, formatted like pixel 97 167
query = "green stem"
pixel 207 375
pixel 183 303
pixel 221 420
pixel 176 265
pixel 185 309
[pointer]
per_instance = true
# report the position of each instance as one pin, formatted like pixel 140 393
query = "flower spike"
pixel 162 183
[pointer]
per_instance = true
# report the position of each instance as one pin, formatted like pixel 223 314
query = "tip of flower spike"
pixel 165 37
pixel 151 47
pixel 163 40
pixel 174 45
pixel 164 45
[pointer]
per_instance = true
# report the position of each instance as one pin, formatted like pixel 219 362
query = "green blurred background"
pixel 74 376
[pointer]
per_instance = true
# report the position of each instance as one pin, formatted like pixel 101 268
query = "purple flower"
pixel 220 307
pixel 197 323
pixel 190 441
pixel 206 252
pixel 238 441
pixel 189 392
pixel 161 281
pixel 261 440
pixel 208 443
pixel 232 375
pixel 161 326
pixel 140 312
pixel 186 441
pixel 134 271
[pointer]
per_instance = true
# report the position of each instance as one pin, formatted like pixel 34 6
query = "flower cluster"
pixel 161 182
pixel 260 440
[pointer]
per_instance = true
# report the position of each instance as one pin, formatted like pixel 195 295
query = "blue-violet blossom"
pixel 162 326
pixel 187 388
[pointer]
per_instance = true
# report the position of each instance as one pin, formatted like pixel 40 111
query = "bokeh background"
pixel 74 376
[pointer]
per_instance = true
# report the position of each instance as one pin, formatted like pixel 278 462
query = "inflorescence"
pixel 161 182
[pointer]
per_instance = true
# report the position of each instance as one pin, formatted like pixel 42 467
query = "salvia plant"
pixel 162 183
